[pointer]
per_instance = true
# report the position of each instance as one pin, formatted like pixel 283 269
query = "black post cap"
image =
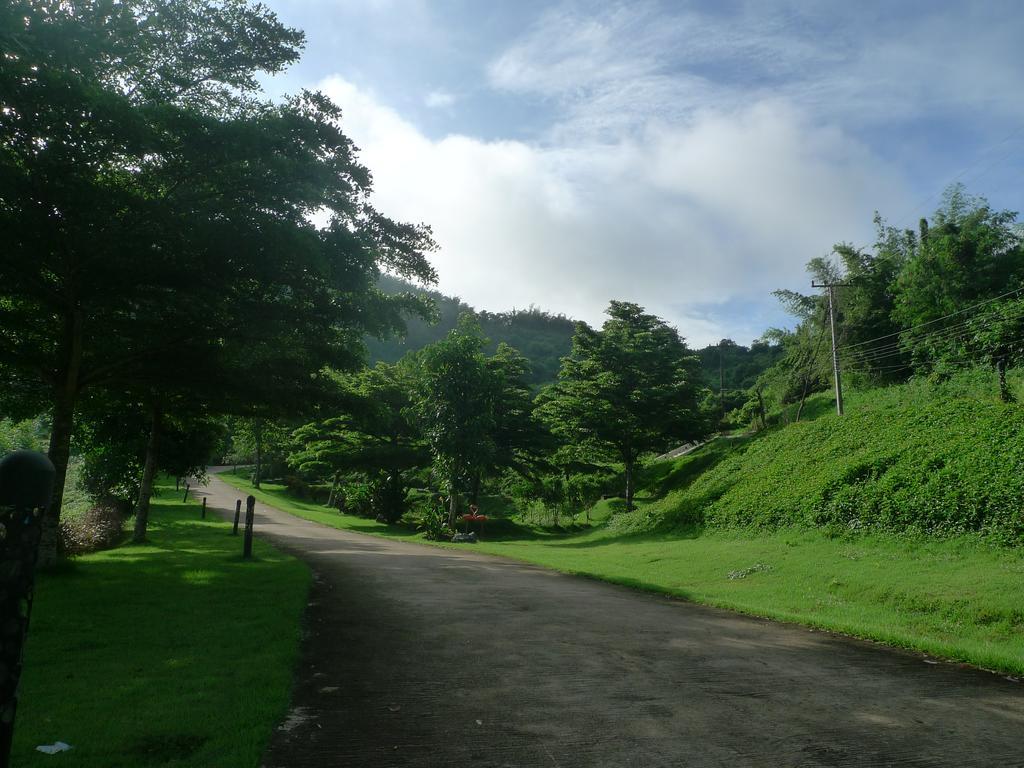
pixel 26 479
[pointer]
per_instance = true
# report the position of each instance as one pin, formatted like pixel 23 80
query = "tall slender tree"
pixel 453 404
pixel 626 389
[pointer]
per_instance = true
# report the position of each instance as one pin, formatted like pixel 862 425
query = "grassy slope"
pixel 955 598
pixel 947 459
pixel 175 653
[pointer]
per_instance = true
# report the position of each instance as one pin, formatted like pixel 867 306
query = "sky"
pixel 687 156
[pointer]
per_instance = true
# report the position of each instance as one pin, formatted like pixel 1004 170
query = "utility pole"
pixel 835 350
pixel 721 383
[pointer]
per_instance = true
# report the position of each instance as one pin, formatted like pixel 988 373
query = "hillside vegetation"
pixel 920 457
pixel 543 338
pixel 735 366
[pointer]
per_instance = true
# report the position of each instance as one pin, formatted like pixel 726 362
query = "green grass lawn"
pixel 175 653
pixel 957 598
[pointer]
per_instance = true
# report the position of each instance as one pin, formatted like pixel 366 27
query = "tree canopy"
pixel 154 206
pixel 541 337
pixel 627 389
pixel 924 302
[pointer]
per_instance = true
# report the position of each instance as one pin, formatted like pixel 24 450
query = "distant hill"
pixel 542 337
pixel 546 338
pixel 740 366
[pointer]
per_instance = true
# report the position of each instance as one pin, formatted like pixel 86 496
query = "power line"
pixel 959 335
pixel 950 333
pixel 936 320
pixel 900 347
pixel 901 220
pixel 961 360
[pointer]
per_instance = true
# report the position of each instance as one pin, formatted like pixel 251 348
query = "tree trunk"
pixel 629 484
pixel 334 490
pixel 474 496
pixel 803 399
pixel 259 454
pixel 453 505
pixel 807 376
pixel 760 408
pixel 148 473
pixel 59 453
pixel 1004 390
pixel 65 397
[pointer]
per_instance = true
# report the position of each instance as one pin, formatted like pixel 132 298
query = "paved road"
pixel 416 656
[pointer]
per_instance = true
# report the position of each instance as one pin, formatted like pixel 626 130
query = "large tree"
pixel 454 391
pixel 475 411
pixel 997 336
pixel 625 390
pixel 966 254
pixel 376 436
pixel 151 204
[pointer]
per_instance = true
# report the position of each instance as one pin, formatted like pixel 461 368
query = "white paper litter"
pixel 53 749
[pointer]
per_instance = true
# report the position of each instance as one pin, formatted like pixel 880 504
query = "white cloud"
pixel 690 160
pixel 439 99
pixel 730 204
pixel 614 67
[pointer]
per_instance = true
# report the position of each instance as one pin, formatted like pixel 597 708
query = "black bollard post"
pixel 26 482
pixel 184 498
pixel 250 514
pixel 204 507
pixel 238 513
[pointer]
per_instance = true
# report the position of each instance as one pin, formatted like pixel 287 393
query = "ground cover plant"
pixel 931 458
pixel 171 653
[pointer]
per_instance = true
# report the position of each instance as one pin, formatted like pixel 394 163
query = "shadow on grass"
pixel 145 629
pixel 813 409
pixel 659 479
pixel 372 527
pixel 498 528
pixel 639 584
pixel 666 477
pixel 494 530
pixel 511 530
pixel 638 537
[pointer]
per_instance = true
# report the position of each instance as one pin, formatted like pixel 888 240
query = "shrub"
pixel 434 522
pixel 390 499
pixel 384 498
pixel 297 486
pixel 102 527
pixel 358 499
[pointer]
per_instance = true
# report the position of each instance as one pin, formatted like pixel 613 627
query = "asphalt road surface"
pixel 418 656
